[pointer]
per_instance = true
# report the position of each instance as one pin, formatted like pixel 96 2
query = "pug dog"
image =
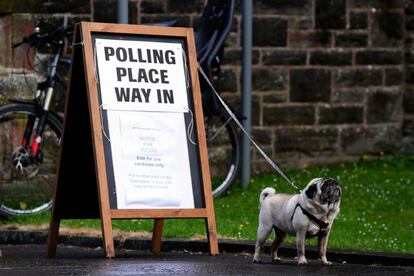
pixel 308 214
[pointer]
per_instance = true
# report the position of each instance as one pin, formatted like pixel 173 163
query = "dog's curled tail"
pixel 265 193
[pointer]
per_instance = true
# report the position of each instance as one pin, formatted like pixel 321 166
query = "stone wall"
pixel 333 80
pixel 17 19
pixel 328 75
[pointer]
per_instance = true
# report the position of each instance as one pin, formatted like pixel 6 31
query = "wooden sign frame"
pixel 82 180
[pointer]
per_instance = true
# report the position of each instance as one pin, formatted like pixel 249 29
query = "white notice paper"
pixel 150 160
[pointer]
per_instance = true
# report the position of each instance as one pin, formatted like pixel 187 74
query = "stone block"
pixel 352 77
pixel 182 20
pixel 72 6
pixel 256 109
pixel 310 85
pixel 234 56
pixel 408 127
pixel 153 6
pixel 272 57
pixel 348 96
pixel 330 58
pixel 6 44
pixel 232 40
pixel 409 74
pixel 23 25
pixel 283 7
pixel 409 54
pixel 387 29
pixel 409 101
pixel 341 115
pixel 300 23
pixel 22 6
pixel 50 6
pixel 105 11
pixel 349 39
pixel 330 14
pixel 269 32
pixel 384 107
pixel 268 79
pixel 358 20
pixel 228 80
pixel 264 137
pixel 370 140
pixel 409 22
pixel 379 4
pixel 381 57
pixel 306 39
pixel 188 6
pixel 17 86
pixel 288 115
pixel 393 76
pixel 306 140
pixel 409 7
pixel 274 97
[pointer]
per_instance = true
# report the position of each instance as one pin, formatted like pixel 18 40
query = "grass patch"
pixel 377 208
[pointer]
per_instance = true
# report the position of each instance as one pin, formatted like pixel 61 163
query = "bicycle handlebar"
pixel 38 38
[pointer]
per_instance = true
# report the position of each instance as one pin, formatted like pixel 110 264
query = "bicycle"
pixel 30 131
pixel 29 139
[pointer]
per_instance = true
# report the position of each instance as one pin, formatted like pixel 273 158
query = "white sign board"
pixel 143 88
pixel 142 75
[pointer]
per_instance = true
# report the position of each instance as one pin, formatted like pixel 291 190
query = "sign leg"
pixel 52 238
pixel 108 238
pixel 212 235
pixel 157 236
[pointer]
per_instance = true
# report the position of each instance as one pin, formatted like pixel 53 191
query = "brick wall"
pixel 17 19
pixel 333 80
pixel 328 75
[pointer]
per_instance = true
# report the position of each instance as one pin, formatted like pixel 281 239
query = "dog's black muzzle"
pixel 330 191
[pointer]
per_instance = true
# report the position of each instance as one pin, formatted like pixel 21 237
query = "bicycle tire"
pixel 223 151
pixel 29 189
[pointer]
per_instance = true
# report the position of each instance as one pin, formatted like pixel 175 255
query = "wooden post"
pixel 157 236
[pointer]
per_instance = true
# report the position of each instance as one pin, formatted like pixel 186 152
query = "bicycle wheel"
pixel 29 188
pixel 223 151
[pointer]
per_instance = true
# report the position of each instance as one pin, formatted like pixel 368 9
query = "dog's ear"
pixel 311 191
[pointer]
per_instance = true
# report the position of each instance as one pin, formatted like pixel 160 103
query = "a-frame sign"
pixel 133 145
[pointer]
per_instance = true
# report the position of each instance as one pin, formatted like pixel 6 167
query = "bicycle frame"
pixel 43 98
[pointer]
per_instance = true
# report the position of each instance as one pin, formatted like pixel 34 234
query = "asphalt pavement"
pixel 73 260
pixel 24 253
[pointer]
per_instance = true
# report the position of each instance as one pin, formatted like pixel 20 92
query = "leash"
pixel 264 155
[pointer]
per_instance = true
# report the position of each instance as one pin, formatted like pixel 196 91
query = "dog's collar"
pixel 320 223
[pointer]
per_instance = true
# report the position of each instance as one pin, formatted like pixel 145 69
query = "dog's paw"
pixel 257 261
pixel 302 261
pixel 276 260
pixel 324 261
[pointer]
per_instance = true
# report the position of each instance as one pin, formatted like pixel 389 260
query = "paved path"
pixel 72 260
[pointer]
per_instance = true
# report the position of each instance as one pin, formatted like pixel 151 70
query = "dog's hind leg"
pixel 262 233
pixel 280 236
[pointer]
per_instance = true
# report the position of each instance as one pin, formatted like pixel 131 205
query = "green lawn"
pixel 377 209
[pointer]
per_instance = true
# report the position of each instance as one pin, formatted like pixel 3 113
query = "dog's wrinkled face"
pixel 324 190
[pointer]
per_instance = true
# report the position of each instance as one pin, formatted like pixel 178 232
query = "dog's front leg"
pixel 323 244
pixel 300 246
